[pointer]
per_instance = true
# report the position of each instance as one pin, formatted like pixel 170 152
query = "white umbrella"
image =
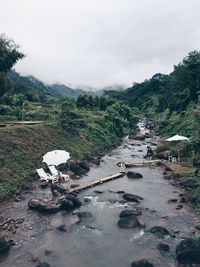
pixel 177 138
pixel 56 157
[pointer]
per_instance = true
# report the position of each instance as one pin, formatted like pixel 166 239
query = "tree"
pixel 9 53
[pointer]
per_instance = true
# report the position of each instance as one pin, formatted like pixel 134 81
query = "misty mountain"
pixel 63 90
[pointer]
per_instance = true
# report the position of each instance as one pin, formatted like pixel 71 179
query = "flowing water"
pixel 98 241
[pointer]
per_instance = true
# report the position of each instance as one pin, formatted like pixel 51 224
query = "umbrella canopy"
pixel 56 157
pixel 177 138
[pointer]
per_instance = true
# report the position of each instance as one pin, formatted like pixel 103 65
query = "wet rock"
pixel 44 185
pixel 126 213
pixel 98 192
pixel 4 245
pixel 58 188
pixel 160 231
pixel 188 251
pixel 76 202
pixel 76 169
pixel 84 214
pixel 43 264
pixel 184 198
pixel 96 161
pixel 87 200
pixel 179 207
pixel 163 247
pixel 132 198
pixel 173 200
pixel 142 263
pixel 62 228
pixel 129 222
pixel 120 192
pixel 136 175
pixel 67 205
pixel 48 207
pixel 84 165
pixel 33 204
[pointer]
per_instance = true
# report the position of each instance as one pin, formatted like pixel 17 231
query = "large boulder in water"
pixel 135 175
pixel 132 198
pixel 159 230
pixel 129 222
pixel 126 213
pixel 142 263
pixel 43 206
pixel 67 205
pixel 76 202
pixel 48 207
pixel 188 251
pixel 4 245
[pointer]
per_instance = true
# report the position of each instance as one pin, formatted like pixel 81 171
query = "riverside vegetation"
pixel 86 124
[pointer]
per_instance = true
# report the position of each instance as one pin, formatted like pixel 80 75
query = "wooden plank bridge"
pixel 143 163
pixel 96 182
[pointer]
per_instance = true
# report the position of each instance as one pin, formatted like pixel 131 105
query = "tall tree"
pixel 9 55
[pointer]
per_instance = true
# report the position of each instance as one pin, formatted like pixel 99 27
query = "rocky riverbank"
pixel 138 218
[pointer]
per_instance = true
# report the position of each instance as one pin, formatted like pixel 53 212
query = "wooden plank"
pixel 142 163
pixel 96 182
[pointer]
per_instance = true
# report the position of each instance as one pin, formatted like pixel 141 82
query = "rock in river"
pixel 126 213
pixel 163 247
pixel 142 263
pixel 132 198
pixel 135 175
pixel 76 202
pixel 43 264
pixel 159 230
pixel 188 251
pixel 43 206
pixel 4 245
pixel 129 222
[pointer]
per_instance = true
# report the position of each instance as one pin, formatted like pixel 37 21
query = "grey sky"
pixel 101 42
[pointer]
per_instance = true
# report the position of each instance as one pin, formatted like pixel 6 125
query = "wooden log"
pixel 95 182
pixel 142 163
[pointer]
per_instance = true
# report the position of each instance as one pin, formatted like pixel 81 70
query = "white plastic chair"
pixel 45 176
pixel 56 173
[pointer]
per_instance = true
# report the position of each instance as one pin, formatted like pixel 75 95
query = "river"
pixel 98 241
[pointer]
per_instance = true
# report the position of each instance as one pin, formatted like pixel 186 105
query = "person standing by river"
pixel 149 153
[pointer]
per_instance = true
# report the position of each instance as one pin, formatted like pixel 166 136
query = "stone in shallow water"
pixel 126 213
pixel 129 222
pixel 4 245
pixel 188 251
pixel 142 263
pixel 135 175
pixel 132 198
pixel 159 230
pixel 76 202
pixel 163 247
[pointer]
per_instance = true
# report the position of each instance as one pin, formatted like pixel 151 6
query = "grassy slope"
pixel 22 149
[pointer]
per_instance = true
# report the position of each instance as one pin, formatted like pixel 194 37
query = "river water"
pixel 98 241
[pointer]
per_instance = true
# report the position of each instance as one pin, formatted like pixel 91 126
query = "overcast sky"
pixel 101 42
